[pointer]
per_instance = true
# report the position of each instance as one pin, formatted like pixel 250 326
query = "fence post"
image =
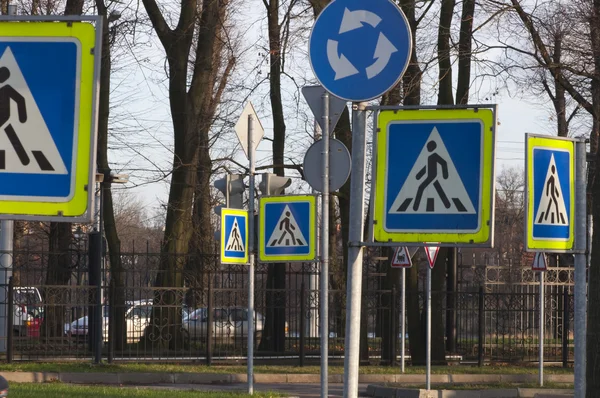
pixel 302 323
pixel 394 325
pixel 481 324
pixel 209 323
pixel 111 323
pixel 10 313
pixel 565 326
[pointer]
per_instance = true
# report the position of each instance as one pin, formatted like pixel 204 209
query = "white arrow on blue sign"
pixel 360 49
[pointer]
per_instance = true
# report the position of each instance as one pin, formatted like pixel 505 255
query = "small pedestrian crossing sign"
pixel 434 178
pixel 287 228
pixel 550 193
pixel 48 81
pixel 234 236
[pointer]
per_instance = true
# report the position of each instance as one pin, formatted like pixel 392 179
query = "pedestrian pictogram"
pixel 552 209
pixel 287 233
pixel 234 236
pixel 432 252
pixel 49 76
pixel 434 176
pixel 550 191
pixel 401 258
pixel 287 230
pixel 235 243
pixel 30 147
pixel 427 190
pixel 539 262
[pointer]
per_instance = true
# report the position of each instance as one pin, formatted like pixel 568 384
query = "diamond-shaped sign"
pixel 241 128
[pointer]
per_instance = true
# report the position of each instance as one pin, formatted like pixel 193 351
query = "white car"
pixel 137 318
pixel 229 322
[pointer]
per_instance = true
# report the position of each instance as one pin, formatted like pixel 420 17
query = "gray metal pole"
pixel 355 250
pixel 541 365
pixel 313 280
pixel 428 332
pixel 6 264
pixel 325 253
pixel 250 245
pixel 403 320
pixel 7 228
pixel 580 269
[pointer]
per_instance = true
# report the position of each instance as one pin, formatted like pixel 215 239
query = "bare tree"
pixel 193 96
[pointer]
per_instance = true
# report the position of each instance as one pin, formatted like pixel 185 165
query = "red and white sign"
pixel 539 262
pixel 401 258
pixel 432 252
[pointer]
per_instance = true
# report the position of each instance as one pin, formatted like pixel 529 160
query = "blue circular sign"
pixel 360 49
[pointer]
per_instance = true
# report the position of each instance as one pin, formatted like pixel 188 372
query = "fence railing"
pixel 206 319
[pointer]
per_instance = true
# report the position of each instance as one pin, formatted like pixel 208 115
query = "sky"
pixel 142 140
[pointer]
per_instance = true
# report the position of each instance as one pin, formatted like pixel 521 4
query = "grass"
pixel 59 390
pixel 263 369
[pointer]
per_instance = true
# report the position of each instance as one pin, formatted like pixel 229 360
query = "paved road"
pixel 294 389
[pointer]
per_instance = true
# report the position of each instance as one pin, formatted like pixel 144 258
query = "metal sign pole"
pixel 428 334
pixel 355 249
pixel 541 365
pixel 324 301
pixel 6 259
pixel 580 269
pixel 250 248
pixel 403 320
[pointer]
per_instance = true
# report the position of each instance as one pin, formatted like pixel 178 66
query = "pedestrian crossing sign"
pixel 48 100
pixel 287 228
pixel 550 191
pixel 234 236
pixel 434 176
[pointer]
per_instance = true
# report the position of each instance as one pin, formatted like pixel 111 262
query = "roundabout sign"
pixel 360 49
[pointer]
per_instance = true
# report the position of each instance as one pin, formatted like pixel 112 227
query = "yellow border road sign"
pixel 287 228
pixel 435 176
pixel 234 236
pixel 38 202
pixel 550 193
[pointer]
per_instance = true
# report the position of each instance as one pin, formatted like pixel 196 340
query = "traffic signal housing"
pixel 272 184
pixel 232 187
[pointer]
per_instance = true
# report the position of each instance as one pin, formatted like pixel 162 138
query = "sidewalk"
pixel 224 379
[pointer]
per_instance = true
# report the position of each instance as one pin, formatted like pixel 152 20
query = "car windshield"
pixel 26 297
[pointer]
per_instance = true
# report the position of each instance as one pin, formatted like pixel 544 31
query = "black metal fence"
pixel 206 319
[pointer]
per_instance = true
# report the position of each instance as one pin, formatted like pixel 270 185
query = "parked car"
pixel 27 302
pixel 137 317
pixel 228 322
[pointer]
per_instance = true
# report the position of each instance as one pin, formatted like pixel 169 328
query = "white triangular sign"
pixel 432 252
pixel 314 98
pixel 241 128
pixel 26 144
pixel 401 258
pixel 433 185
pixel 235 241
pixel 539 262
pixel 552 209
pixel 287 233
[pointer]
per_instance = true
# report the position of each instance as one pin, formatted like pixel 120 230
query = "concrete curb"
pixel 215 378
pixel 392 392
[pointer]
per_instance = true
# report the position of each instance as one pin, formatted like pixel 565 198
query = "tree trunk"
pixel 59 261
pixel 117 273
pixel 273 338
pixel 464 52
pixel 57 277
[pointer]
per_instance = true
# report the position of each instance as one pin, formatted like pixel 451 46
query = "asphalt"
pixel 300 390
